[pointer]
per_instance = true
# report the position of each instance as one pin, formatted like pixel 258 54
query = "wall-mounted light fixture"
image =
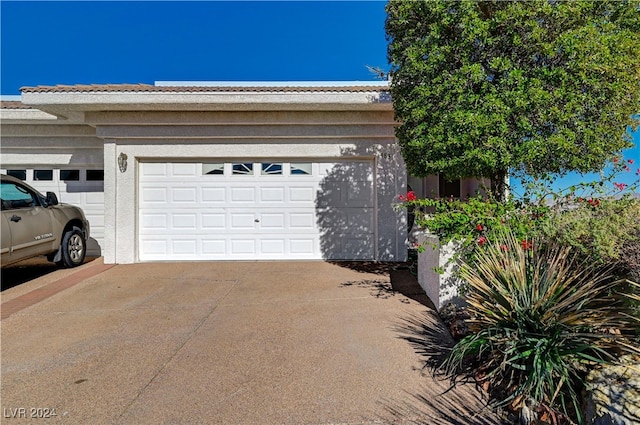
pixel 122 162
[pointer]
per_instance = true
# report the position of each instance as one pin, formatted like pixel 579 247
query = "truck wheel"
pixel 74 248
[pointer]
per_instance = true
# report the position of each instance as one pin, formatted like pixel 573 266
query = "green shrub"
pixel 475 221
pixel 607 231
pixel 540 316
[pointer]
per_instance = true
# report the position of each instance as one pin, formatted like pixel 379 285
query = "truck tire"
pixel 74 248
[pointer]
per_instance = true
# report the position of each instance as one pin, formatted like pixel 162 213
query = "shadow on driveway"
pixel 430 339
pixel 27 270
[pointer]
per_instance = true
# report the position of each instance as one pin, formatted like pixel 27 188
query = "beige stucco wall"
pixel 48 143
pixel 312 135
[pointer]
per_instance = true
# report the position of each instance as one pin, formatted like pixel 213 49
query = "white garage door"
pixel 255 210
pixel 80 186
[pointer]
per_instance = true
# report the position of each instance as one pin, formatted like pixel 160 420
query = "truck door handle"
pixel 16 218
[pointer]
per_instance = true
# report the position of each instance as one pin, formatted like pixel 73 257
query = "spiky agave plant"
pixel 540 317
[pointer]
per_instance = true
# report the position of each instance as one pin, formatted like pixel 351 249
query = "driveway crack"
pixel 177 350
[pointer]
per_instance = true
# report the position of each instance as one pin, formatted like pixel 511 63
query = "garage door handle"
pixel 256 220
pixel 16 218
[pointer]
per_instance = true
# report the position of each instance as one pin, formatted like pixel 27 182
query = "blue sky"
pixel 142 42
pixel 50 42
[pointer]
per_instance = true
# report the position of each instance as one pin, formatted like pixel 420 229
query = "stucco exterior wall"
pixel 49 143
pixel 194 136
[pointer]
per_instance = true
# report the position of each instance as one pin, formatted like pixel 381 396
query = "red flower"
pixel 482 240
pixel 630 161
pixel 411 196
pixel 479 227
pixel 615 160
pixel 401 197
pixel 526 244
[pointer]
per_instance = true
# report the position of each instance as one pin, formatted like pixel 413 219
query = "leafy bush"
pixel 539 316
pixel 608 232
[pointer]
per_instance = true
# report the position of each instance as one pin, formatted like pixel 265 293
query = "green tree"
pixel 487 88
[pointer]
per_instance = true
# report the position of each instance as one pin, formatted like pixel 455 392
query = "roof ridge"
pixel 142 87
pixel 13 104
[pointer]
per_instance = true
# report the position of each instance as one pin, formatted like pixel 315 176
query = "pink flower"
pixel 615 160
pixel 503 247
pixel 411 196
pixel 482 240
pixel 630 161
pixel 401 197
pixel 620 186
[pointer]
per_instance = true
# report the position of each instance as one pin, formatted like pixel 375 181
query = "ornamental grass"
pixel 541 318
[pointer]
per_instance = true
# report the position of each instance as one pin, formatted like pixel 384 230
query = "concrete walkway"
pixel 226 343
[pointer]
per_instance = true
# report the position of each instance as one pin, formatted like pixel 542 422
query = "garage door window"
pixel 95 175
pixel 270 169
pixel 300 168
pixel 242 169
pixel 70 175
pixel 43 175
pixel 19 174
pixel 213 169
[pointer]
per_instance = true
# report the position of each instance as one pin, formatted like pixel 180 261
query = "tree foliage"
pixel 534 87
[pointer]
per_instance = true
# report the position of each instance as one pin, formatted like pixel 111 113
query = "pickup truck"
pixel 34 224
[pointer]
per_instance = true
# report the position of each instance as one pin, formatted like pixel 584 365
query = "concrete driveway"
pixel 225 343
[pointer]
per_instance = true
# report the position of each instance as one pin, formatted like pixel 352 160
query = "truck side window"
pixel 14 196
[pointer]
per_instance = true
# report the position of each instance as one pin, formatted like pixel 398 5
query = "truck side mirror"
pixel 51 199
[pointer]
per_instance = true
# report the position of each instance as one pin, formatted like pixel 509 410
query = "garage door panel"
pixel 154 195
pixel 184 221
pixel 271 221
pixel 358 195
pixel 155 247
pixel 272 246
pixel 184 170
pixel 302 194
pixel 272 194
pixel 346 220
pixel 214 221
pixel 242 247
pixel 216 195
pixel 243 194
pixel 302 220
pixel 185 214
pixel 302 246
pixel 351 248
pixel 184 247
pixel 150 169
pixel 242 221
pixel 347 171
pixel 153 221
pixel 217 247
pixel 184 194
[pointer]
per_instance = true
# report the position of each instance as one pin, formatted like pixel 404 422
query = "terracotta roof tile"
pixel 142 88
pixel 13 104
